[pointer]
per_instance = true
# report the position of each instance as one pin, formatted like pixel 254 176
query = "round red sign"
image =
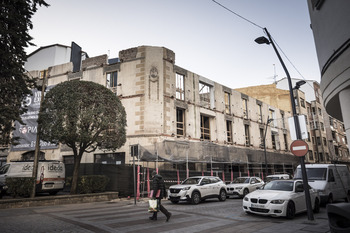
pixel 299 148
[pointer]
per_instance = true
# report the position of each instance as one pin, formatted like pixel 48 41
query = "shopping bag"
pixel 153 205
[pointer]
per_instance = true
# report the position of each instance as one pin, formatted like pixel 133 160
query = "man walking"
pixel 159 192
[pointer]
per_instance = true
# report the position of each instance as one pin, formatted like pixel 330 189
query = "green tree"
pixel 15 21
pixel 84 116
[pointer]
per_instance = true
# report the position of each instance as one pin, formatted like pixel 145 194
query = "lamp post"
pixel 264 40
pixel 267 123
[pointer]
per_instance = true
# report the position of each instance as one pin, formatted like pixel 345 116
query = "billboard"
pixel 27 132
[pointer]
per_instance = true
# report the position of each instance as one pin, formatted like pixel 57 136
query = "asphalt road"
pixel 124 216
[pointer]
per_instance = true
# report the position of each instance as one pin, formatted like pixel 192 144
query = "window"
pixel 262 137
pixel 229 131
pixel 319 112
pixel 330 121
pixel 285 141
pixel 318 139
pixel 245 108
pixel 283 121
pixel 247 135
pixel 311 156
pixel 205 128
pixel 273 138
pixel 227 103
pixel 204 94
pixel 272 116
pixel 180 122
pixel 308 137
pixel 112 79
pixel 313 140
pixel 180 87
pixel 302 102
pixel 324 141
pixel 260 113
pixel 321 157
pixel 322 126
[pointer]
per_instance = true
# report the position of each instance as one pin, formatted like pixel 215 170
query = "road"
pixel 125 216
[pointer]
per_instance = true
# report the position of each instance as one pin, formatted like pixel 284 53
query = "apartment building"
pixel 179 119
pixel 322 140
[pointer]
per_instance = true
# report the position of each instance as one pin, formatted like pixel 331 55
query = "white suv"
pixel 241 186
pixel 197 188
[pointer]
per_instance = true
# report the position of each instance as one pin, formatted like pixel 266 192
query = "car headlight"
pixel 246 199
pixel 186 188
pixel 277 201
pixel 239 187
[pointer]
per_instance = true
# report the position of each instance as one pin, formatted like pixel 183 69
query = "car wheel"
pixel 196 198
pixel 174 201
pixel 290 210
pixel 222 195
pixel 245 192
pixel 317 206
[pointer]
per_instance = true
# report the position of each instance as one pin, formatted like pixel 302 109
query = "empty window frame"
pixel 112 79
pixel 229 131
pixel 205 94
pixel 245 108
pixel 273 139
pixel 180 122
pixel 302 102
pixel 205 127
pixel 272 116
pixel 311 155
pixel 260 113
pixel 247 135
pixel 262 137
pixel 227 103
pixel 285 142
pixel 180 86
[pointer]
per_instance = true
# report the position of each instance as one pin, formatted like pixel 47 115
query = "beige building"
pixel 178 119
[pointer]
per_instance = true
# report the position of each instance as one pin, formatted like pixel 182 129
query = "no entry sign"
pixel 299 148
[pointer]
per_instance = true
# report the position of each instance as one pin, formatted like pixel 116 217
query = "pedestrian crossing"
pixel 119 217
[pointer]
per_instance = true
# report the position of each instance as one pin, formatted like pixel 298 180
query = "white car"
pixel 280 198
pixel 277 177
pixel 241 186
pixel 197 188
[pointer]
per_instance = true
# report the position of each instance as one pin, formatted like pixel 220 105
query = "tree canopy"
pixel 84 116
pixel 15 21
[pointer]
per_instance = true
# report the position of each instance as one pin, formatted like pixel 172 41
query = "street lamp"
pixel 264 40
pixel 267 123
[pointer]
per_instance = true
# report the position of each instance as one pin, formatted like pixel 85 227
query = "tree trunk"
pixel 77 159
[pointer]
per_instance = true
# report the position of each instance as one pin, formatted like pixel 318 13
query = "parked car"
pixel 280 198
pixel 50 178
pixel 331 180
pixel 198 188
pixel 277 177
pixel 241 186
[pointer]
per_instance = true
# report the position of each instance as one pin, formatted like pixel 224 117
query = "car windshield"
pixel 279 185
pixel 312 174
pixel 191 181
pixel 241 180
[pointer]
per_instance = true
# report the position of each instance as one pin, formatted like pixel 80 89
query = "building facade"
pixel 179 119
pixel 330 23
pixel 326 143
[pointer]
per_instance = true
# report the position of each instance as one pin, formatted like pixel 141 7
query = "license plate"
pixel 173 194
pixel 258 206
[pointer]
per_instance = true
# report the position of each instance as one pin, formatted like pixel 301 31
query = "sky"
pixel 207 39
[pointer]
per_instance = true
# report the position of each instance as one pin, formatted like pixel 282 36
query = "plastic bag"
pixel 153 206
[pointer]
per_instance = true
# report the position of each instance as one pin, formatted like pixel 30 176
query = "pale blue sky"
pixel 206 38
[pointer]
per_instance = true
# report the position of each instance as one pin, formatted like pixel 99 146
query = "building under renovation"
pixel 176 119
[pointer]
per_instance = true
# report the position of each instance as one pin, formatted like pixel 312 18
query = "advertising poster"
pixel 27 132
